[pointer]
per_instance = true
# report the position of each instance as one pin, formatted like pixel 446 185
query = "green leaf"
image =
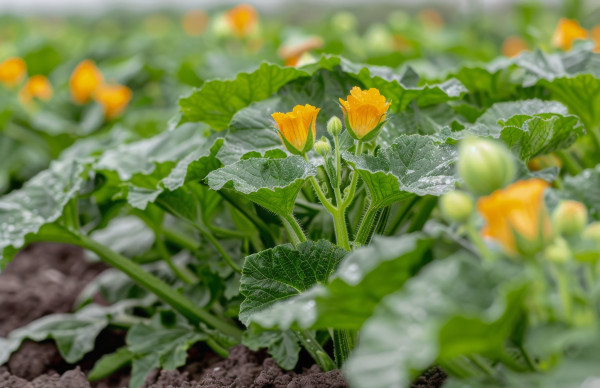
pixel 528 127
pixel 216 101
pixel 364 277
pixel 110 363
pixel 40 202
pixel 436 318
pixel 584 188
pixel 271 183
pixel 279 273
pixel 74 334
pixel 282 345
pixel 411 165
pixel 159 344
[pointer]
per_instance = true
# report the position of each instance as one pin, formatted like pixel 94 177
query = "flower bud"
pixel 334 126
pixel 558 251
pixel 456 206
pixel 592 232
pixel 485 165
pixel 322 147
pixel 569 218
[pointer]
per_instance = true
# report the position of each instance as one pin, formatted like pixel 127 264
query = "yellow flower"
pixel 297 128
pixel 37 86
pixel 194 22
pixel 85 80
pixel 566 32
pixel 516 215
pixel 595 35
pixel 242 19
pixel 513 46
pixel 113 99
pixel 12 71
pixel 364 112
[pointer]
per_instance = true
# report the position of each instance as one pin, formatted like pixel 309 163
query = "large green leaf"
pixel 74 334
pixel 282 345
pixel 40 202
pixel 217 101
pixel 364 277
pixel 453 307
pixel 271 183
pixel 411 165
pixel 277 274
pixel 529 127
pixel 159 344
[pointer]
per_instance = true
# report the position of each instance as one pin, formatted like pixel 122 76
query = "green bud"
pixel 322 147
pixel 334 126
pixel 485 165
pixel 456 206
pixel 569 218
pixel 592 232
pixel 558 251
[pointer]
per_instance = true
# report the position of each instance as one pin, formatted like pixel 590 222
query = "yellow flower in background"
pixel 113 99
pixel 12 71
pixel 84 81
pixel 364 112
pixel 297 129
pixel 544 161
pixel 292 53
pixel 242 19
pixel 595 35
pixel 567 31
pixel 194 22
pixel 37 86
pixel 513 46
pixel 431 19
pixel 516 213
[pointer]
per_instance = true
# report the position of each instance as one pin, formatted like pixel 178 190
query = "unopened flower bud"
pixel 592 232
pixel 456 206
pixel 558 251
pixel 569 218
pixel 334 126
pixel 485 165
pixel 322 147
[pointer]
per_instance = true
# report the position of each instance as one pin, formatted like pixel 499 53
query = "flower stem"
pixel 317 352
pixel 326 203
pixel 352 190
pixel 186 276
pixel 476 239
pixel 365 226
pixel 155 285
pixel 293 228
pixel 341 231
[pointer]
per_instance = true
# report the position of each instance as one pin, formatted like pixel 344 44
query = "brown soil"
pixel 46 279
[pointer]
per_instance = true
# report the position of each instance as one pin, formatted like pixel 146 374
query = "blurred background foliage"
pixel 162 54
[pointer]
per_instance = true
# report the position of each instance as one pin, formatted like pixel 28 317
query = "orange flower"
pixel 85 80
pixel 516 215
pixel 37 86
pixel 364 112
pixel 431 19
pixel 513 46
pixel 566 32
pixel 544 161
pixel 291 54
pixel 12 71
pixel 595 35
pixel 297 128
pixel 113 98
pixel 242 19
pixel 194 22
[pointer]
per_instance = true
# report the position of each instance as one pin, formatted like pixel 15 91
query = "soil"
pixel 46 278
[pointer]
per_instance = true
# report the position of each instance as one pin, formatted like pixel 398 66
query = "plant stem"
pixel 315 349
pixel 343 343
pixel 350 196
pixel 159 288
pixel 476 239
pixel 365 227
pixel 326 203
pixel 571 165
pixel 341 231
pixel 528 359
pixel 267 234
pixel 207 233
pixel 293 228
pixel 186 276
pixel 563 291
pixel 401 215
pixel 427 206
